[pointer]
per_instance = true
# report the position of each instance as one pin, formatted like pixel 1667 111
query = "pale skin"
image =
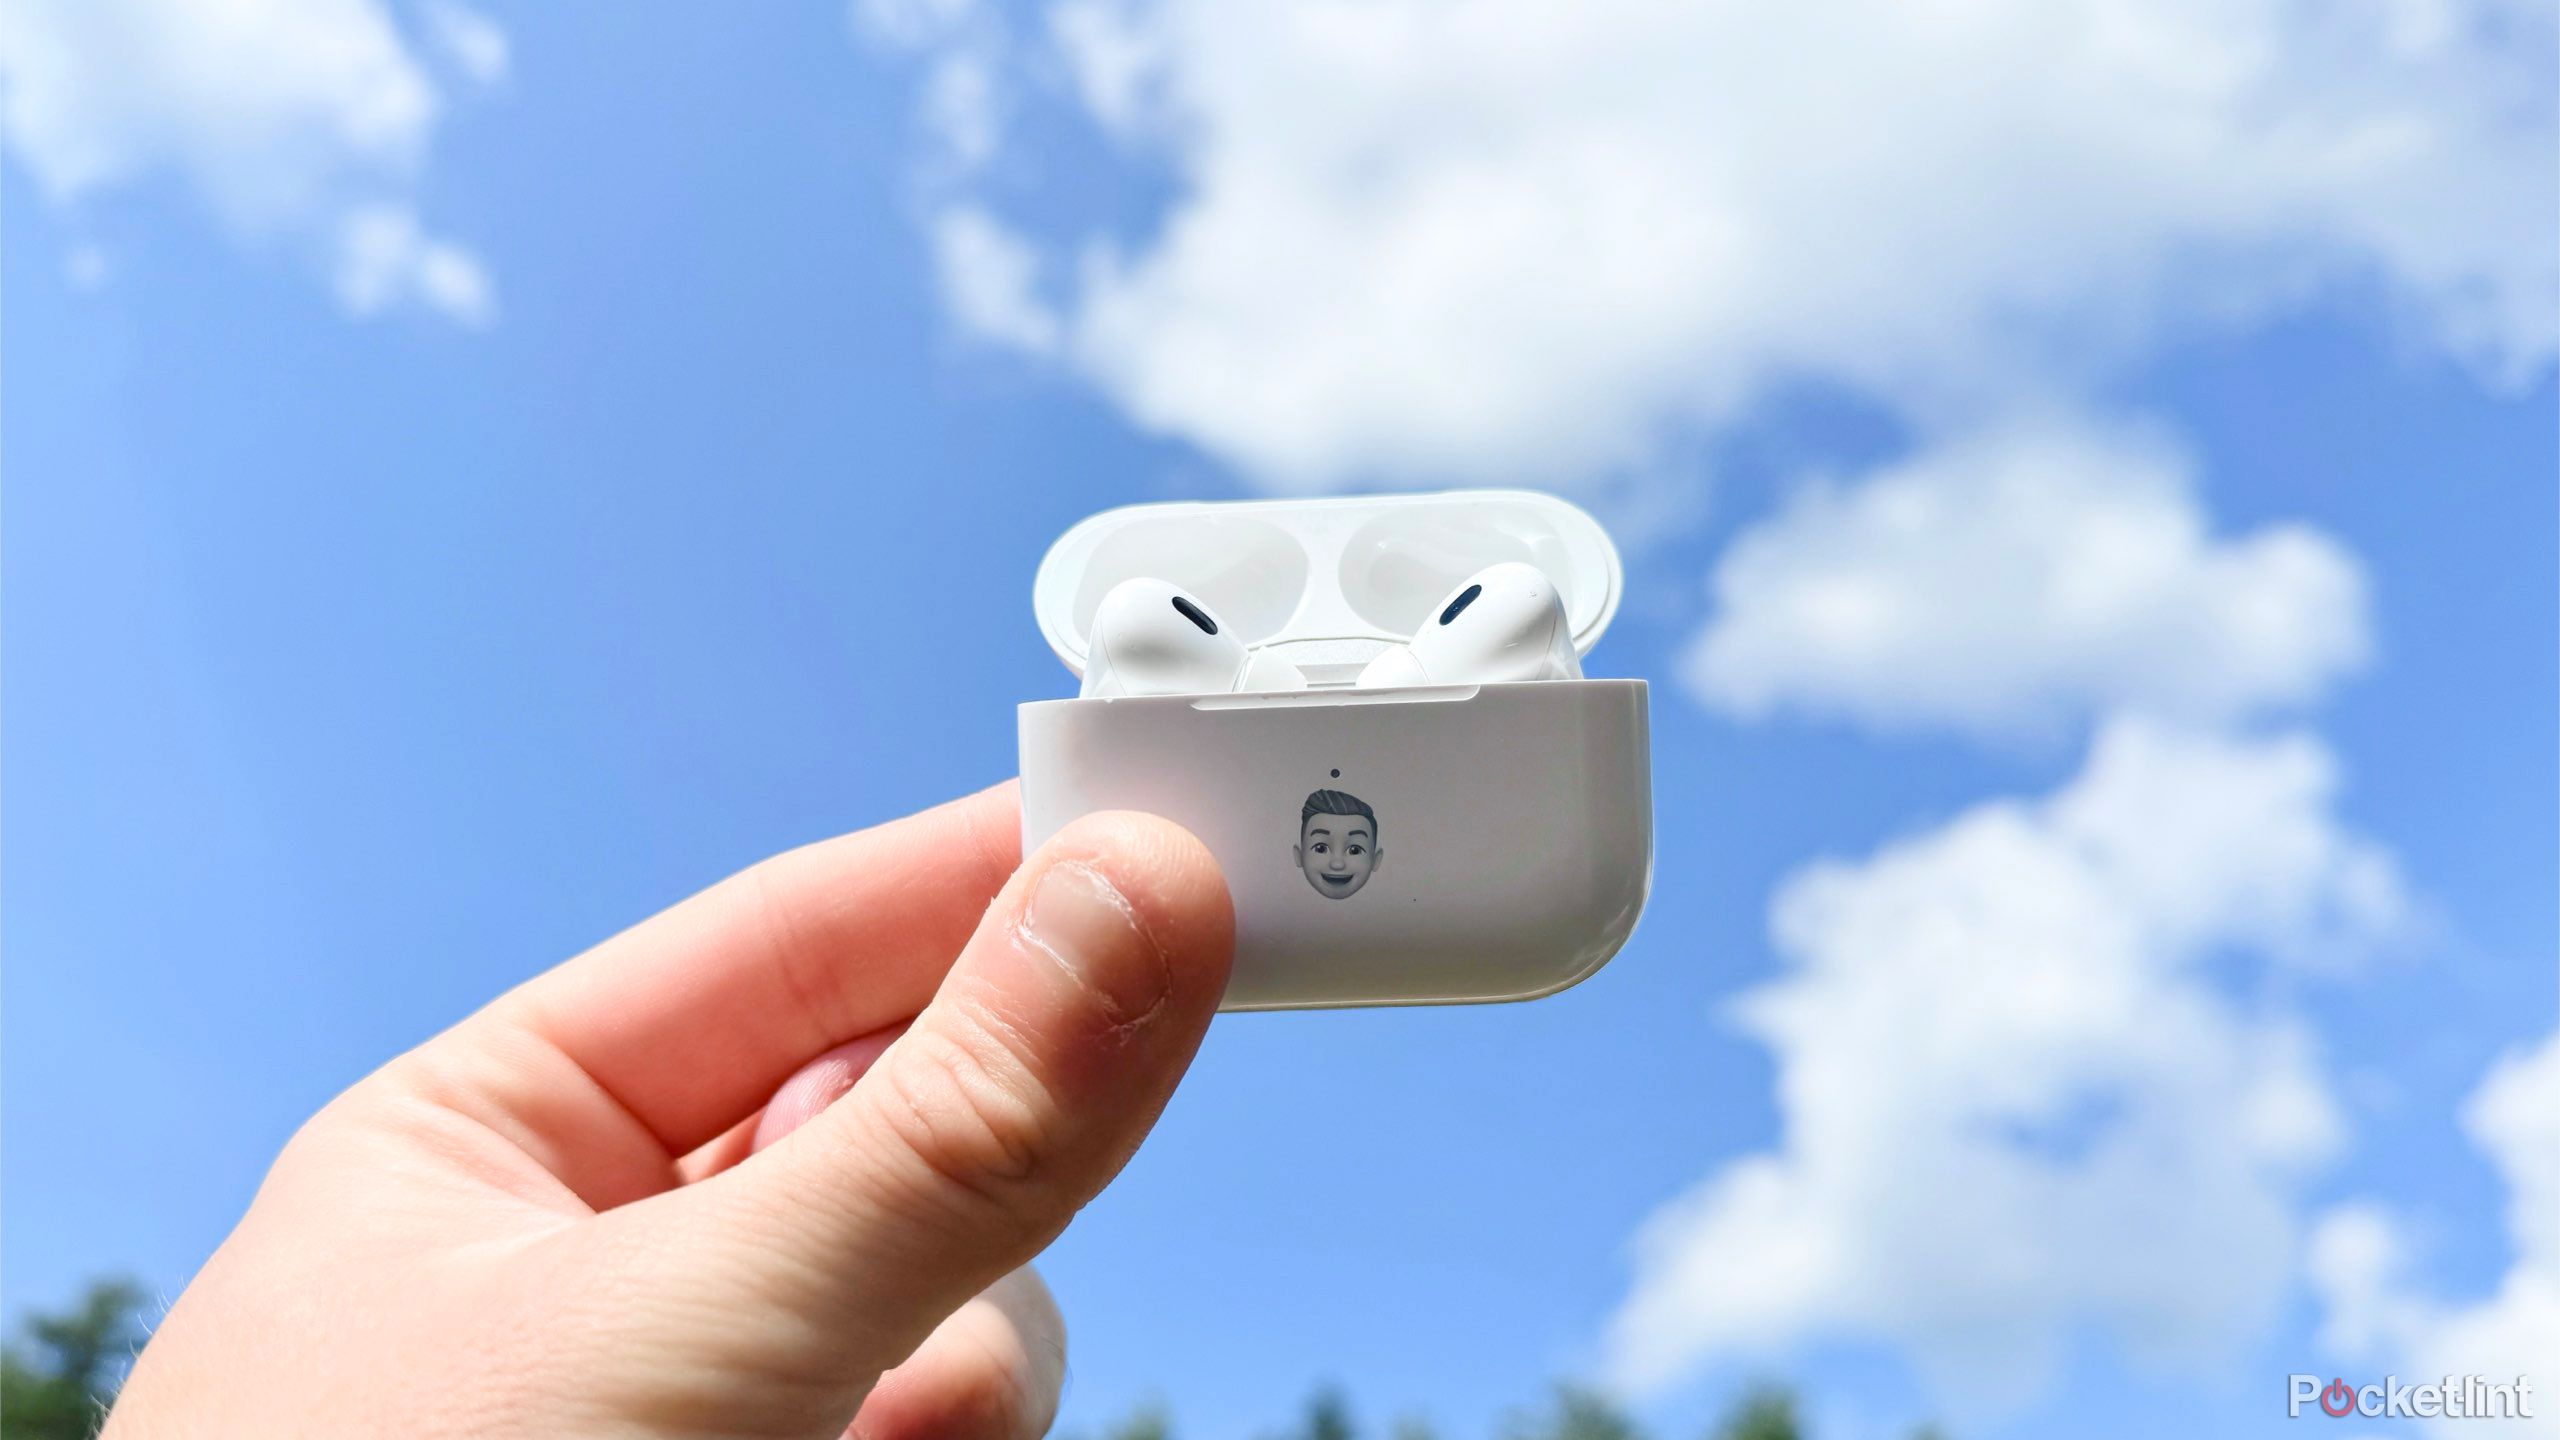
pixel 773 1163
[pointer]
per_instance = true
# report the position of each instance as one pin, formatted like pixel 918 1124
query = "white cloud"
pixel 990 281
pixel 961 106
pixel 2014 1105
pixel 86 267
pixel 963 103
pixel 385 261
pixel 915 23
pixel 1422 239
pixel 290 118
pixel 1114 57
pixel 2362 1258
pixel 2016 579
pixel 473 42
pixel 263 105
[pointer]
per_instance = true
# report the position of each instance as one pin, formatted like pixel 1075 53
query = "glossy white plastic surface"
pixel 1329 583
pixel 1507 833
pixel 1506 623
pixel 1514 827
pixel 1149 638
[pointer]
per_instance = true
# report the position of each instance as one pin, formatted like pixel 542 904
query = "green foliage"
pixel 56 1382
pixel 1767 1412
pixel 1150 1421
pixel 1573 1413
pixel 1328 1417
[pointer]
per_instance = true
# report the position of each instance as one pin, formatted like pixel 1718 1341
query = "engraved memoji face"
pixel 1337 843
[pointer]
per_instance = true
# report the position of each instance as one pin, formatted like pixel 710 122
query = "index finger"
pixel 689 1020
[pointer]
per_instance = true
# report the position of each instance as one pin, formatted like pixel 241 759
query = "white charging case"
pixel 1513 823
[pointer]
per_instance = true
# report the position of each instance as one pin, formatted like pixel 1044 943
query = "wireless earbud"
pixel 1153 638
pixel 1506 622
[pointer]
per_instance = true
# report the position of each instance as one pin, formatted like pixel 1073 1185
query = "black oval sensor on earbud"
pixel 1196 615
pixel 1465 598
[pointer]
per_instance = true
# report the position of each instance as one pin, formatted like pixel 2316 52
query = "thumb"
pixel 1042 1061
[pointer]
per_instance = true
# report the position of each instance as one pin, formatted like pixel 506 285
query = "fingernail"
pixel 1089 928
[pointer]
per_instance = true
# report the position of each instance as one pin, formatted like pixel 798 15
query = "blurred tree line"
pixel 59 1372
pixel 1765 1412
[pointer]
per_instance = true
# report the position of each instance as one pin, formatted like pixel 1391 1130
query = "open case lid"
pixel 1326 583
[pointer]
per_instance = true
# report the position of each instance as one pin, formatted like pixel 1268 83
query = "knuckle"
pixel 968 1112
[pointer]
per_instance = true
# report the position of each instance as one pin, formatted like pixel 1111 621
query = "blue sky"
pixel 375 637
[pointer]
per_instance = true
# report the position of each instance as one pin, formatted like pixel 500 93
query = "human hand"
pixel 618 1201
